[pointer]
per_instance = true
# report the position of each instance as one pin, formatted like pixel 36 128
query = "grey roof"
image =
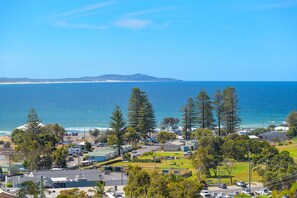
pixel 273 135
pixel 90 175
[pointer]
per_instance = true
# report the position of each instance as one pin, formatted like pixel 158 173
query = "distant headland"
pixel 103 78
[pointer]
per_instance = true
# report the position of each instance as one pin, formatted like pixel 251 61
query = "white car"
pixel 205 193
pixel 57 169
pixel 220 195
pixel 263 192
pixel 246 191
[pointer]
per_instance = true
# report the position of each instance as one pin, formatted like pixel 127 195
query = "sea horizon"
pixel 89 104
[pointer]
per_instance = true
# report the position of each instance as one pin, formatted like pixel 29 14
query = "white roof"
pixel 176 143
pixel 59 179
pixel 253 137
pixel 25 126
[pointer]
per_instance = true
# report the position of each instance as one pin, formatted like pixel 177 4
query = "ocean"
pixel 81 106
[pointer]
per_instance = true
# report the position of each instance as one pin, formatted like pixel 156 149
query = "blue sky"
pixel 190 40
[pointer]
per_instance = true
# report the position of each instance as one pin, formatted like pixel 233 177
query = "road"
pixel 145 149
pixel 231 189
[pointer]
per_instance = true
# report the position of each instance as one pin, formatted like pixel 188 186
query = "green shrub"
pixel 8 185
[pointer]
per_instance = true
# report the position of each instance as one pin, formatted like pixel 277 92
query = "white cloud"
pixel 82 10
pixel 65 24
pixel 133 23
pixel 149 11
pixel 277 4
pixel 63 19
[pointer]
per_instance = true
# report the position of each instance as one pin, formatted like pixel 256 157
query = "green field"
pixel 182 163
pixel 292 148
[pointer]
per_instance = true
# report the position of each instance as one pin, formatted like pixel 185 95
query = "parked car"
pixel 57 169
pixel 101 144
pixel 70 159
pixel 263 192
pixel 223 186
pixel 2 177
pixel 233 194
pixel 22 169
pixel 246 191
pixel 240 183
pixel 86 163
pixel 205 193
pixel 220 195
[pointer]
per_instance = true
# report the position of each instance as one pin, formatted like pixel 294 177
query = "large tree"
pixel 117 125
pixel 169 123
pixel 59 156
pixel 33 122
pixel 138 182
pixel 292 119
pixel 202 161
pixel 146 119
pixel 189 117
pixel 218 106
pixel 231 116
pixel 204 110
pixel 141 116
pixel 94 134
pixel 36 143
pixel 135 103
pixel 55 130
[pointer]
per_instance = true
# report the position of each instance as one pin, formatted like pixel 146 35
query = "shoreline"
pixel 77 82
pixel 86 129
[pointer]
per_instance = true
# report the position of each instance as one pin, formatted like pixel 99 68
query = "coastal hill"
pixel 103 78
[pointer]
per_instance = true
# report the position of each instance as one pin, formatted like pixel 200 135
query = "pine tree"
pixel 33 122
pixel 231 116
pixel 141 116
pixel 117 125
pixel 135 102
pixel 189 117
pixel 218 106
pixel 204 110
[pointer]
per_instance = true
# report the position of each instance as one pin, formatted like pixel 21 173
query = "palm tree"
pixel 173 178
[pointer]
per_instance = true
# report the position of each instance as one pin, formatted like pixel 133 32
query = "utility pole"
pixel 41 187
pixel 122 170
pixel 250 176
pixel 219 173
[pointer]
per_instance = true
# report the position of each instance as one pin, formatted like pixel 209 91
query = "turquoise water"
pixel 84 105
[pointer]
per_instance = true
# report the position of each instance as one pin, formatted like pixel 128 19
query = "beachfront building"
pixel 173 146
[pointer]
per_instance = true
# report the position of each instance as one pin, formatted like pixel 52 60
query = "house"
pixel 192 144
pixel 173 146
pixel 102 155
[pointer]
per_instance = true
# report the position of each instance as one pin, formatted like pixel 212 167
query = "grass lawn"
pixel 240 173
pixel 182 163
pixel 292 148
